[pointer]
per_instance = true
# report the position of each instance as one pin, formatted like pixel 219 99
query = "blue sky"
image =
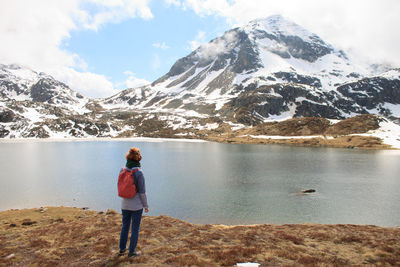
pixel 99 47
pixel 146 48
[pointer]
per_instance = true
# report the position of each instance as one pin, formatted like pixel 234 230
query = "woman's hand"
pixel 146 210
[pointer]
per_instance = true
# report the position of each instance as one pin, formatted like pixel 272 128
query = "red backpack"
pixel 126 183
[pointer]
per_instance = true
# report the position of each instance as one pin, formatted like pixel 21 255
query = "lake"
pixel 205 182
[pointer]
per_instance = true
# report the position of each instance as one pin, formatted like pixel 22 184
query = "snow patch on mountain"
pixel 23 84
pixel 269 70
pixel 278 25
pixel 388 131
pixel 391 74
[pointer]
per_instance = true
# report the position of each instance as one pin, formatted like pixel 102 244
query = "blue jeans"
pixel 127 217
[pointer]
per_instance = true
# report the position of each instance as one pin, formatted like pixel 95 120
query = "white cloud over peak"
pixel 198 40
pixel 134 82
pixel 218 46
pixel 366 26
pixel 32 33
pixel 209 7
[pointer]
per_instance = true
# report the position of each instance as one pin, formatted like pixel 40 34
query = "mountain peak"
pixel 287 39
pixel 22 83
pixel 273 21
pixel 278 25
pixel 270 69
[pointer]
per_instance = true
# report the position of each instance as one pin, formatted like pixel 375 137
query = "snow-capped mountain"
pixel 23 84
pixel 268 69
pixel 29 99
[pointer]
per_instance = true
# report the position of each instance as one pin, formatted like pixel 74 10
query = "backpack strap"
pixel 131 170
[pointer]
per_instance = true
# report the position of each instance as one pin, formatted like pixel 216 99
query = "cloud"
pixel 114 11
pixel 198 40
pixel 366 26
pixel 89 84
pixel 134 82
pixel 218 46
pixel 32 33
pixel 162 46
pixel 208 7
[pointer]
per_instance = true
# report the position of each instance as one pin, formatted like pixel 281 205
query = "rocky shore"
pixel 361 142
pixel 315 132
pixel 66 236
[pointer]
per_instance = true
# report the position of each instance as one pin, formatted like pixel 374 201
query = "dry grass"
pixel 354 141
pixel 72 237
pixel 341 134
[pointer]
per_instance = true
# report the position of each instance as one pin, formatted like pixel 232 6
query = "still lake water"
pixel 209 182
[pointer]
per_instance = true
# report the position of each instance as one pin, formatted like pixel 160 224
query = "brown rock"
pixel 356 125
pixel 28 222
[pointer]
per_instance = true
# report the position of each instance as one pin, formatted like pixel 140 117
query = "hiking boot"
pixel 121 252
pixel 134 254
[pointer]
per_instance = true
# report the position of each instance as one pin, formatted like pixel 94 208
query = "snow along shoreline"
pixel 101 139
pixel 388 131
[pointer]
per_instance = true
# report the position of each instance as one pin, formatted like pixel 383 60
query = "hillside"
pixel 267 71
pixel 363 131
pixel 75 237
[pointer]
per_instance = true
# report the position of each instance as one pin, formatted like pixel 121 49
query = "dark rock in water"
pixel 308 191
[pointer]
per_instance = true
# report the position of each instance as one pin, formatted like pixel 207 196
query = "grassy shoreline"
pixel 75 237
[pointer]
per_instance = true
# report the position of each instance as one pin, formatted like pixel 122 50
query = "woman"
pixel 132 208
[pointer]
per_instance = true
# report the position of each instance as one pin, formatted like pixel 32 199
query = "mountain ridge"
pixel 270 69
pixel 250 58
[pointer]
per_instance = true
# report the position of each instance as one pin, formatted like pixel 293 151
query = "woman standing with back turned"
pixel 132 208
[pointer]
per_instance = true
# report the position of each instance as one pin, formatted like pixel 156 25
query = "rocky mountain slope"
pixel 23 84
pixel 30 102
pixel 268 70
